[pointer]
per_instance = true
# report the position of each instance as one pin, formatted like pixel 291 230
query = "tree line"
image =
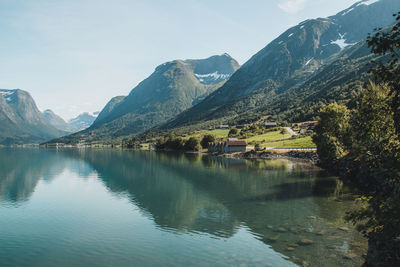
pixel 363 144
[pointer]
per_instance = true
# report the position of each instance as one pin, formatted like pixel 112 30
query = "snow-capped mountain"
pixel 173 87
pixel 21 121
pixel 83 121
pixel 295 56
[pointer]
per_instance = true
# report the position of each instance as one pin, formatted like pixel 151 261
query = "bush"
pixel 332 134
pixel 233 132
pixel 208 138
pixel 170 142
pixel 192 144
pixel 175 143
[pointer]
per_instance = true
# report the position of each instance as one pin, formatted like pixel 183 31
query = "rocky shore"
pixel 304 156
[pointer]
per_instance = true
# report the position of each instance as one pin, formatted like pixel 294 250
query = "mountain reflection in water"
pixel 281 202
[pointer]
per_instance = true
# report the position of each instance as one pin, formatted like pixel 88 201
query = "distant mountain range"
pixel 314 63
pixel 172 88
pixel 83 120
pixel 21 122
pixel 57 121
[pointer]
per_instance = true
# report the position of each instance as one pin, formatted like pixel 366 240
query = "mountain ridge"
pixel 173 87
pixel 290 59
pixel 21 121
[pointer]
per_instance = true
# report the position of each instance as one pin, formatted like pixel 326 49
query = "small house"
pixel 270 124
pixel 222 127
pixel 230 146
pixel 234 146
pixel 308 125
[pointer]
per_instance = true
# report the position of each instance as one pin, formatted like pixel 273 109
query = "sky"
pixel 73 56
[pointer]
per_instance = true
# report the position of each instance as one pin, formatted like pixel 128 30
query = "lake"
pixel 90 207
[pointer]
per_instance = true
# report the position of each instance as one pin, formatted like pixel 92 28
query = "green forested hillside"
pixel 309 65
pixel 314 63
pixel 172 88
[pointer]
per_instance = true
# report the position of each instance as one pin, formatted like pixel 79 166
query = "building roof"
pixel 271 124
pixel 236 143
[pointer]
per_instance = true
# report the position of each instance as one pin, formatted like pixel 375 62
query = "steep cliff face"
pixel 109 107
pixel 58 122
pixel 294 57
pixel 21 121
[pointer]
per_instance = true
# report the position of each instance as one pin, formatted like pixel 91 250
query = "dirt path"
pixel 290 130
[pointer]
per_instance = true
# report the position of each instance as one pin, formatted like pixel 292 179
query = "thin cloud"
pixel 292 6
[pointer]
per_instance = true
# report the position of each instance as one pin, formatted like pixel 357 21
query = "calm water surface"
pixel 126 208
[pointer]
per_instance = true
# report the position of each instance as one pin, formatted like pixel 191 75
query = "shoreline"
pixel 307 156
pixel 303 156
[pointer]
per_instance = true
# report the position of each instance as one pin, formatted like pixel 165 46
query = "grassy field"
pixel 267 137
pixel 218 133
pixel 271 139
pixel 304 142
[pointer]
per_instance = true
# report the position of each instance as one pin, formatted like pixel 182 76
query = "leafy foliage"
pixel 376 153
pixel 178 144
pixel 208 138
pixel 366 142
pixel 192 144
pixel 332 133
pixel 233 132
pixel 387 42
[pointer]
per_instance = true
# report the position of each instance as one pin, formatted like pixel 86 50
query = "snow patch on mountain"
pixel 347 11
pixel 212 76
pixel 341 41
pixel 367 2
pixel 7 94
pixel 84 120
pixel 308 62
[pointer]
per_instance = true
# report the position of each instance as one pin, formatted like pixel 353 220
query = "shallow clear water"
pixel 131 208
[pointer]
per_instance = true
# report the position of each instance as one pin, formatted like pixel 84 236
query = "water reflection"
pixel 282 202
pixel 22 169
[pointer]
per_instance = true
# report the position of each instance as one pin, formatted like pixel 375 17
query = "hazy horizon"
pixel 73 56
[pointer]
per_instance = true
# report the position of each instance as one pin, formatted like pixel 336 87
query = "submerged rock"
pixel 356 244
pixel 350 256
pixel 322 232
pixel 290 249
pixel 273 238
pixel 305 242
pixel 344 228
pixel 332 237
